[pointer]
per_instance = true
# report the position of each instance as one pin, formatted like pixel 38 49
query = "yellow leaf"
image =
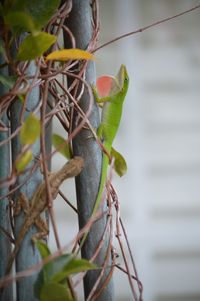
pixel 70 54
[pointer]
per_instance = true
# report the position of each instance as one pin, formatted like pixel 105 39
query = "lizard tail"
pixel 105 163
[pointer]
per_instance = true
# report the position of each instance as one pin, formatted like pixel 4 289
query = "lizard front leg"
pixel 21 204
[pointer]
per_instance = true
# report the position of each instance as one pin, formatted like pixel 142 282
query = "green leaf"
pixel 57 271
pixel 23 161
pixel 39 12
pixel 120 165
pixel 63 266
pixel 77 265
pixel 42 11
pixel 8 81
pixel 49 270
pixel 39 283
pixel 34 46
pixel 56 265
pixel 20 21
pixel 43 249
pixel 30 130
pixel 61 146
pixel 52 291
pixel 74 266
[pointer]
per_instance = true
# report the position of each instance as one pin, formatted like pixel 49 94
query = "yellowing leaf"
pixel 70 54
pixel 23 161
pixel 30 130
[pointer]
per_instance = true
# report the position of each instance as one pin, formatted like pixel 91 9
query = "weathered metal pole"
pixel 87 184
pixel 28 254
pixel 5 244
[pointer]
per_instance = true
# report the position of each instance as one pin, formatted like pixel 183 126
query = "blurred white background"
pixel 160 139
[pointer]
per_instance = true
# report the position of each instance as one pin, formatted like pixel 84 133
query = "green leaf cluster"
pixel 23 16
pixel 52 284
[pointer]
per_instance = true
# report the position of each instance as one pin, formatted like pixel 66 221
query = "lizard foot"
pixel 43 230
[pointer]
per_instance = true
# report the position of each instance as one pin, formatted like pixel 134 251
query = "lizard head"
pixel 111 85
pixel 123 79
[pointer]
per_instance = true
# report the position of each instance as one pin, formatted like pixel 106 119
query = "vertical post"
pixel 5 244
pixel 28 254
pixel 87 184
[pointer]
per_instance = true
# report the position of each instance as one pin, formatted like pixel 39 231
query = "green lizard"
pixel 110 119
pixel 112 92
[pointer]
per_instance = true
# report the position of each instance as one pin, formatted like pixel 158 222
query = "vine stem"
pixel 145 28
